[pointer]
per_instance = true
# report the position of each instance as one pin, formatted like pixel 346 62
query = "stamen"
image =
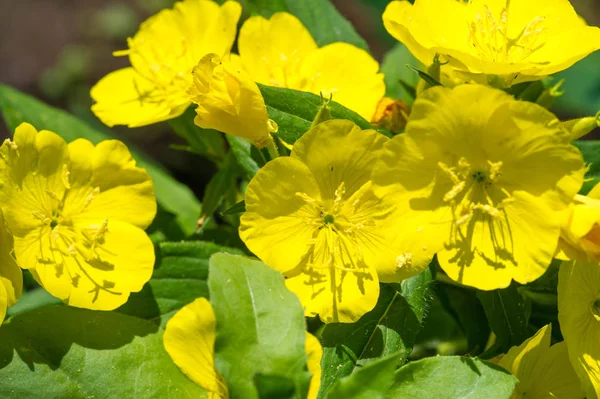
pixel 41 217
pixel 65 176
pixel 55 197
pixel 495 170
pixel 404 260
pixel 91 196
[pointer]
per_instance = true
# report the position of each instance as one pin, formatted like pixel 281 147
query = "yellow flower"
pixel 580 237
pixel 229 101
pixel 489 176
pixel 516 40
pixel 281 52
pixel 162 55
pixel 189 339
pixel 313 216
pixel 11 277
pixel 78 215
pixel 579 317
pixel 543 371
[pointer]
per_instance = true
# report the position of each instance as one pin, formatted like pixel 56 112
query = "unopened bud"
pixel 582 126
pixel 391 114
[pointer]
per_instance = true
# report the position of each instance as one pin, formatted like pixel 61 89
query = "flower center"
pixel 475 191
pixel 328 218
pixel 488 35
pixel 595 308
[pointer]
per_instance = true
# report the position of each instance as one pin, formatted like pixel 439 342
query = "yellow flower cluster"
pixel 487 183
pixel 182 56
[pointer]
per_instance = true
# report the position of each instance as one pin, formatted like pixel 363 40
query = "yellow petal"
pixel 314 351
pixel 579 317
pixel 100 277
pixel 229 101
pixel 274 226
pixel 107 184
pixel 334 285
pixel 125 97
pixel 11 277
pixel 543 371
pixel 189 339
pixel 352 161
pixel 347 73
pixel 272 50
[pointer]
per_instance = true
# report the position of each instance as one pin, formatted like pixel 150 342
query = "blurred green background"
pixel 57 49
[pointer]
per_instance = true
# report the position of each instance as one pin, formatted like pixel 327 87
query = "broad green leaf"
pixel 242 150
pixel 507 313
pixel 369 382
pixel 468 312
pixel 180 276
pixel 171 195
pixel 320 17
pixel 582 97
pixel 64 352
pixel 274 387
pixel 395 72
pixel 219 184
pixel 30 300
pixel 260 325
pixel 591 153
pixel 391 327
pixel 205 142
pixel 452 377
pixel 294 111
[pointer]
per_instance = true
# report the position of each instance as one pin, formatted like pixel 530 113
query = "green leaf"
pixel 218 186
pixel 274 387
pixel 452 377
pixel 425 76
pixel 369 382
pixel 239 207
pixel 294 111
pixel 468 312
pixel 242 151
pixel 507 313
pixel 180 276
pixel 260 325
pixel 64 352
pixel 171 195
pixel 591 153
pixel 397 76
pixel 320 17
pixel 206 142
pixel 30 300
pixel 391 327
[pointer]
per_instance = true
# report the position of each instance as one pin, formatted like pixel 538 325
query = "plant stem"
pixel 272 149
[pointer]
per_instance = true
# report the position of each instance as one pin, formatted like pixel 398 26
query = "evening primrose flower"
pixel 543 371
pixel 314 217
pixel 580 238
pixel 78 214
pixel 11 277
pixel 281 52
pixel 162 54
pixel 515 40
pixel 579 317
pixel 189 339
pixel 490 176
pixel 229 101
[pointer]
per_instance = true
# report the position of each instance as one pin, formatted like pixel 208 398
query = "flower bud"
pixel 229 101
pixel 391 114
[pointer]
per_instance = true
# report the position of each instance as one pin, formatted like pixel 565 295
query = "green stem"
pixel 272 149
